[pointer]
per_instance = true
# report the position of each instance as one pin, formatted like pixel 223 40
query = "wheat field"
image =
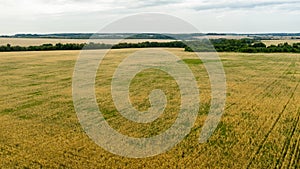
pixel 276 42
pixel 259 129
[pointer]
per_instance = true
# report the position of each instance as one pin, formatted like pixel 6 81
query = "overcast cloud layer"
pixel 44 16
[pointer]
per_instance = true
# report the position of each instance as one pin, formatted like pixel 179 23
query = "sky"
pixel 82 16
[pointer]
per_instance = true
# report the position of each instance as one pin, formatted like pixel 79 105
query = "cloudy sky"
pixel 241 16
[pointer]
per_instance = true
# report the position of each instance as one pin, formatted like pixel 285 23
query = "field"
pixel 221 36
pixel 40 41
pixel 276 42
pixel 259 129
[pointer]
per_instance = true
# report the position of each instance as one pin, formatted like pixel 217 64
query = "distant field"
pixel 259 129
pixel 222 36
pixel 276 42
pixel 40 41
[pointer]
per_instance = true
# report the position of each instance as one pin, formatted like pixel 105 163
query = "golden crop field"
pixel 276 42
pixel 40 41
pixel 221 36
pixel 260 127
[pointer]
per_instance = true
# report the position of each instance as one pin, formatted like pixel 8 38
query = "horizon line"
pixel 237 33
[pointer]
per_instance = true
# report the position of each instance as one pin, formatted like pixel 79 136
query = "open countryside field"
pixel 259 129
pixel 276 42
pixel 221 36
pixel 40 41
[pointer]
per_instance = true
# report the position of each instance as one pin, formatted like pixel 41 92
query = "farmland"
pixel 259 129
pixel 39 41
pixel 276 42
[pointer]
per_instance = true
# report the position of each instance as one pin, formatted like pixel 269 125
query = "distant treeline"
pixel 58 46
pixel 173 44
pixel 74 46
pixel 219 45
pixel 239 45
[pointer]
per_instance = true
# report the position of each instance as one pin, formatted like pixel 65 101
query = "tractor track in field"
pixel 249 77
pixel 295 152
pixel 245 79
pixel 258 86
pixel 272 83
pixel 275 82
pixel 271 129
pixel 255 89
pixel 287 143
pixel 294 162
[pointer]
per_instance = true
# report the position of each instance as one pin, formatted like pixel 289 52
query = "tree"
pixel 259 45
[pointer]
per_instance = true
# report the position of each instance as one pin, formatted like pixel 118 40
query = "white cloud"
pixel 85 16
pixel 242 4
